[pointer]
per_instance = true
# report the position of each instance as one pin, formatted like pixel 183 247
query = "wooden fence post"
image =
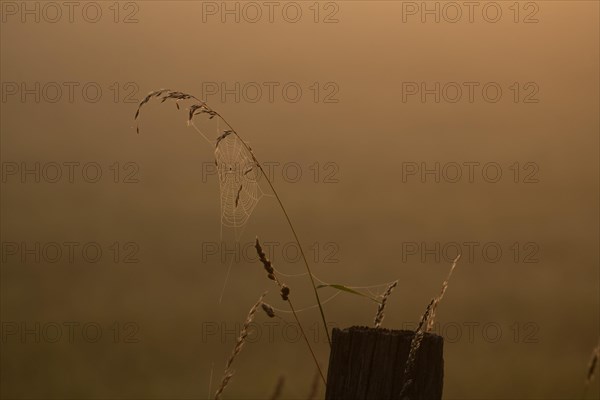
pixel 367 363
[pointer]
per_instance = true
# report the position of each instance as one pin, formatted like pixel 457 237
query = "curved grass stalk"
pixel 201 107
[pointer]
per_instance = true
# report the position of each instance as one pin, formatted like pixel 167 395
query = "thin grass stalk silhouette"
pixel 307 342
pixel 314 388
pixel 195 109
pixel 285 292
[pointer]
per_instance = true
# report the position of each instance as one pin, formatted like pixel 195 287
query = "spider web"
pixel 239 176
pixel 238 181
pixel 239 188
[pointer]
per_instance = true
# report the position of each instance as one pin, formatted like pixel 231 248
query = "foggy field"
pixel 394 144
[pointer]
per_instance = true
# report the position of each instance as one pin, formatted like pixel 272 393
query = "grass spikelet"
pixel 437 300
pixel 226 378
pixel 415 344
pixel 166 94
pixel 264 260
pixel 381 308
pixel 285 292
pixel 268 310
pixel 238 347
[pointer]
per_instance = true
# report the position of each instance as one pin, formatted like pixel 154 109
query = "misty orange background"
pixel 172 294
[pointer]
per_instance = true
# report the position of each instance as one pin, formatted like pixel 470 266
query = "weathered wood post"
pixel 367 363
